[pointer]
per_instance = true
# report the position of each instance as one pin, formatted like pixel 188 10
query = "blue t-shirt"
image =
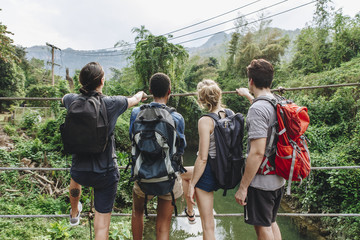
pixel 179 121
pixel 101 162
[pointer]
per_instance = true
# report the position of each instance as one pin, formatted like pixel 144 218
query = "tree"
pixel 332 39
pixel 231 51
pixel 7 49
pixel 259 42
pixel 12 80
pixel 141 32
pixel 199 69
pixel 156 54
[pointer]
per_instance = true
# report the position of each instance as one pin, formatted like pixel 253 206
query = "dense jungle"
pixel 326 52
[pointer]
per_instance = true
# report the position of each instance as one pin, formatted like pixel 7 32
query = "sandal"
pixel 191 218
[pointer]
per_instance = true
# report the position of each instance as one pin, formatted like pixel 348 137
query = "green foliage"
pixel 35 72
pixel 31 149
pixel 334 136
pixel 121 83
pixel 49 134
pixel 263 42
pixel 7 49
pixel 198 69
pixel 44 91
pixel 121 132
pixel 141 32
pixel 59 230
pixel 10 130
pixel 333 40
pixel 12 80
pixel 30 119
pixel 155 54
pixel 120 230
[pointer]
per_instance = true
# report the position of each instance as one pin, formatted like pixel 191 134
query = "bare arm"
pixel 134 100
pixel 253 161
pixel 244 92
pixel 205 127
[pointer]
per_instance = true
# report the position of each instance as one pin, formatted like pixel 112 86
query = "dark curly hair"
pixel 159 84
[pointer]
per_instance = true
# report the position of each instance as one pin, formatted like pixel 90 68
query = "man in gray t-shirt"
pixel 260 194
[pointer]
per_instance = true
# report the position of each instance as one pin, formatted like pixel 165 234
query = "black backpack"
pixel 86 126
pixel 227 166
pixel 155 161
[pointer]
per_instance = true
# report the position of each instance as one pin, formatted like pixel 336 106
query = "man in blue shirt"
pixel 160 87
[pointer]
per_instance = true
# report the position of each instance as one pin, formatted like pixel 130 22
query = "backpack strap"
pixel 273 101
pixel 267 166
pixel 217 117
pixel 173 202
pixel 145 205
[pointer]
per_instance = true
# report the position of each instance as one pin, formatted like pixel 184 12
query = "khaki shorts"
pixel 178 191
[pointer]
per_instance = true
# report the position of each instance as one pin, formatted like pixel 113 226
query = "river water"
pixel 226 228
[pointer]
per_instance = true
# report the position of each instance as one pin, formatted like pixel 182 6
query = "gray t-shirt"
pixel 100 163
pixel 260 117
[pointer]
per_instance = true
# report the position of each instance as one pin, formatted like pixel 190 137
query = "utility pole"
pixel 52 61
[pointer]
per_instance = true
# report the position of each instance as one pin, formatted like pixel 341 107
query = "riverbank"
pixel 309 226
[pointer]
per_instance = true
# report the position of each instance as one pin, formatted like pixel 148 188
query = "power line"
pixel 195 24
pixel 209 35
pixel 203 29
pixel 291 9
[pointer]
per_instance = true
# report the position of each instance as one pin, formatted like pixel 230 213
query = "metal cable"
pixel 84 215
pixel 123 167
pixel 279 89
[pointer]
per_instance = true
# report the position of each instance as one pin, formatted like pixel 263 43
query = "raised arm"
pixel 134 100
pixel 244 92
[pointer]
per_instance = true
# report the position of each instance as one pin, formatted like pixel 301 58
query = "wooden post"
pixel 52 66
pixel 52 61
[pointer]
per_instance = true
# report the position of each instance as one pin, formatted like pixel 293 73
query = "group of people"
pixel 259 194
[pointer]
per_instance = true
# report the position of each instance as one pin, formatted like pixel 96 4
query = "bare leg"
pixel 163 219
pixel 276 231
pixel 186 177
pixel 75 193
pixel 265 233
pixel 101 225
pixel 205 203
pixel 137 218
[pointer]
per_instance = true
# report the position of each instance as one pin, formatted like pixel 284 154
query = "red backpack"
pixel 287 153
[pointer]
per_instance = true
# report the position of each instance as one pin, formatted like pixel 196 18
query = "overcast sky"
pixel 90 24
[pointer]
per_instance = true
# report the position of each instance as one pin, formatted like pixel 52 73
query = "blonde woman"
pixel 202 184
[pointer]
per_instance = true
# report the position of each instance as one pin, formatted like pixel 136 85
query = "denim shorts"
pixel 207 181
pixel 104 185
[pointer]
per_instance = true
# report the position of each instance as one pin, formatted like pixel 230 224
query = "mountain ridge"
pixel 73 59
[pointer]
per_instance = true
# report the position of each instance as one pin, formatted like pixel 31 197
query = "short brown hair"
pixel 261 72
pixel 159 84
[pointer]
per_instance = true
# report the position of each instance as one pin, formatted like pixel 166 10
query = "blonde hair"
pixel 209 94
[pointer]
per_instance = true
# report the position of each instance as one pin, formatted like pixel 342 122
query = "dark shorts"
pixel 207 181
pixel 104 185
pixel 262 206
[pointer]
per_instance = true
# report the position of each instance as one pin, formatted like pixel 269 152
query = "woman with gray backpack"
pixel 208 173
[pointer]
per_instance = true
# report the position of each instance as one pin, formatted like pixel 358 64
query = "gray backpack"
pixel 86 126
pixel 155 161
